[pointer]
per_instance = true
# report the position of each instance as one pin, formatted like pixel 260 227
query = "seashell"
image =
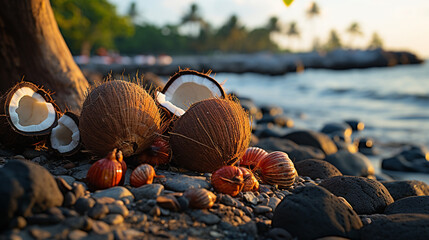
pixel 27 115
pixel 277 169
pixel 250 183
pixel 187 87
pixel 65 137
pixel 200 198
pixel 119 114
pixel 228 180
pixel 157 154
pixel 252 156
pixel 211 134
pixel 106 172
pixel 142 175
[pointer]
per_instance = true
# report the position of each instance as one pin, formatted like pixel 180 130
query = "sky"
pixel 403 25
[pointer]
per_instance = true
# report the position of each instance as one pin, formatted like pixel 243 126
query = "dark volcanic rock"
pixel 150 191
pixel 355 124
pixel 313 139
pixel 295 152
pixel 339 129
pixel 180 182
pixel 402 189
pixel 413 158
pixel 315 168
pixel 366 196
pixel 398 226
pixel 278 120
pixel 312 212
pixel 24 187
pixel 416 204
pixel 354 164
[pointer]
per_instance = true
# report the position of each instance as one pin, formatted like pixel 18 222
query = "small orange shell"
pixel 277 169
pixel 157 154
pixel 142 175
pixel 252 156
pixel 106 172
pixel 250 181
pixel 227 179
pixel 200 198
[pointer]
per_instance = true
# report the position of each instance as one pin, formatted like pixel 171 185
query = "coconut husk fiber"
pixel 211 134
pixel 118 114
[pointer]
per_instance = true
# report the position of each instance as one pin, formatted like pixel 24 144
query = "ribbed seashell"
pixel 119 114
pixel 157 154
pixel 105 173
pixel 211 134
pixel 142 175
pixel 277 169
pixel 250 182
pixel 228 180
pixel 252 156
pixel 200 198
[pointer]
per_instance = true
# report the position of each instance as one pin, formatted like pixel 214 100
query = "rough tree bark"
pixel 32 48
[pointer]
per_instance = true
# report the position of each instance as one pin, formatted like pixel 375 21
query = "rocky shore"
pixel 337 193
pixel 264 63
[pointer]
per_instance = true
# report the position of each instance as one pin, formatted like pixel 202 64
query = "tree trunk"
pixel 32 48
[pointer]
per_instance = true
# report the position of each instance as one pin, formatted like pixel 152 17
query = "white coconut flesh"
pixel 65 136
pixel 187 90
pixel 29 111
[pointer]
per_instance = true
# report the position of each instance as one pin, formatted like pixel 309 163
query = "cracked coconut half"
pixel 187 87
pixel 65 137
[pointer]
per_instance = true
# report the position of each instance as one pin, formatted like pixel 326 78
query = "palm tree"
pixel 376 41
pixel 273 24
pixel 193 19
pixel 132 12
pixel 293 31
pixel 354 31
pixel 334 41
pixel 312 12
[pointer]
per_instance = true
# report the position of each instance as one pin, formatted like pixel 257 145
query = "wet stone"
pixel 98 211
pixel 59 171
pixel 82 223
pixel 113 219
pixel 105 200
pixel 69 179
pixel 205 217
pixel 273 202
pixel 250 197
pixel 181 182
pixel 114 192
pixel 39 233
pixel 100 227
pixel 228 200
pixel 69 199
pixel 80 172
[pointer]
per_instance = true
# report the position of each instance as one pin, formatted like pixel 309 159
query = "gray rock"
pixel 315 168
pixel 113 219
pixel 98 211
pixel 80 172
pixel 84 204
pixel 316 207
pixel 262 209
pixel 295 151
pixel 100 227
pixel 118 209
pixel 205 217
pixel 151 191
pixel 366 196
pixel 180 182
pixel 59 171
pixel 26 187
pixel 69 199
pixel 313 139
pixel 250 197
pixel 279 234
pixel 77 234
pixel 354 164
pixel 228 200
pixel 416 204
pixel 397 226
pixel 273 202
pixel 69 179
pixel 117 193
pixel 407 188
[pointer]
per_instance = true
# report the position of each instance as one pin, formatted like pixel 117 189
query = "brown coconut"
pixel 118 114
pixel 211 134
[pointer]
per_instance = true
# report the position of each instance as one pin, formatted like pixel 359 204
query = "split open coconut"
pixel 187 87
pixel 65 137
pixel 27 115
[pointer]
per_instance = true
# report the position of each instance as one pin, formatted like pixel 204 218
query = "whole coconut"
pixel 211 134
pixel 118 114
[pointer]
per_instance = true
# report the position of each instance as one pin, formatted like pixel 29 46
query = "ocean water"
pixel 392 102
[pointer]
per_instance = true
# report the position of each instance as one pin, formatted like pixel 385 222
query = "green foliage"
pixel 376 41
pixel 87 24
pixel 334 41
